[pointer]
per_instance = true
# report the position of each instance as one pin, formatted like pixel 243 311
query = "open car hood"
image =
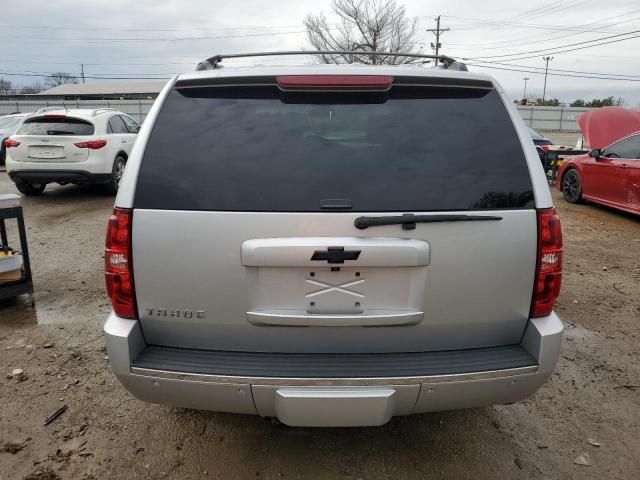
pixel 604 126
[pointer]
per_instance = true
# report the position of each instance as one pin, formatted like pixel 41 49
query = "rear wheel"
pixel 30 188
pixel 572 186
pixel 116 174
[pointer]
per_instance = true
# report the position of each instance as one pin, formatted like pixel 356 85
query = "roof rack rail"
pixel 447 62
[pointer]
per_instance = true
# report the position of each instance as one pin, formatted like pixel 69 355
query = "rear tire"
pixel 116 174
pixel 30 189
pixel 572 186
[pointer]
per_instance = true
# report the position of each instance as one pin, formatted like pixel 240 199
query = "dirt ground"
pixel 589 409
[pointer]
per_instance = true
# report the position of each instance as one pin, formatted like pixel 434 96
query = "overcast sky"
pixel 145 38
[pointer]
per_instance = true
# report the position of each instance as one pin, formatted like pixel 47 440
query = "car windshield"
pixel 9 122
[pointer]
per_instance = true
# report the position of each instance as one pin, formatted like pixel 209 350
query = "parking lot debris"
pixel 18 375
pixel 43 474
pixel 13 447
pixel 56 414
pixel 628 387
pixel 82 429
pixel 584 460
pixel 617 289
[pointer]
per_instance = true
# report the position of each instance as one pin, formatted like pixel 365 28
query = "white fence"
pixel 562 119
pixel 137 109
pixel 557 119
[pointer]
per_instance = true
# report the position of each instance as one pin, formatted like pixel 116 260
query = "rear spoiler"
pixel 409 80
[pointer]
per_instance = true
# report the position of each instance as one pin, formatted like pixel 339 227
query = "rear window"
pixel 56 126
pixel 261 149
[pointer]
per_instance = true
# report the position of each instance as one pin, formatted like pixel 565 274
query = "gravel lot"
pixel 587 413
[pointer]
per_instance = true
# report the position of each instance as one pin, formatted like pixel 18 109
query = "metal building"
pixel 132 90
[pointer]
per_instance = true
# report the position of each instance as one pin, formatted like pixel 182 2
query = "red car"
pixel 610 173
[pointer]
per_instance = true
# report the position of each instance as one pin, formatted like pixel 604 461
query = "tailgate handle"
pixel 409 220
pixel 335 255
pixel 328 252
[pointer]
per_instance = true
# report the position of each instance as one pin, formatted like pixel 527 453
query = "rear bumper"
pixel 332 390
pixel 58 176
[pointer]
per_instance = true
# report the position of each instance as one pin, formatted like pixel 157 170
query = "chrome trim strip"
pixel 378 319
pixel 458 377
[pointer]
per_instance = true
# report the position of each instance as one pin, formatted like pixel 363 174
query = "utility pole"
pixel 82 71
pixel 437 32
pixel 546 69
pixel 524 94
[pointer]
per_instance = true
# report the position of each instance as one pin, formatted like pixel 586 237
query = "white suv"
pixel 70 146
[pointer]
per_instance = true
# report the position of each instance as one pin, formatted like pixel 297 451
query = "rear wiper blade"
pixel 409 220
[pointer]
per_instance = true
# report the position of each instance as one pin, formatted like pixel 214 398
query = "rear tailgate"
pixel 245 228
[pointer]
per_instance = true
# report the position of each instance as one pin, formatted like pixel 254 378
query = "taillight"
pixel 549 263
pixel 92 144
pixel 10 143
pixel 359 82
pixel 118 264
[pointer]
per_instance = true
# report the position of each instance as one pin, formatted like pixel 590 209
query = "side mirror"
pixel 595 153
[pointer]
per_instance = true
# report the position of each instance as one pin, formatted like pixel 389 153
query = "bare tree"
pixel 60 78
pixel 364 25
pixel 6 87
pixel 35 87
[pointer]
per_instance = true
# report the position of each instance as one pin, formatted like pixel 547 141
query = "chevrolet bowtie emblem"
pixel 335 255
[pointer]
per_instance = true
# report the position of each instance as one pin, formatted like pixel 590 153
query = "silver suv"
pixel 333 245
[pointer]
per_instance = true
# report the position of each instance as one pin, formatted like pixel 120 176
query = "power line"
pixel 598 26
pixel 48 41
pixel 533 10
pixel 31 62
pixel 78 28
pixel 573 49
pixel 593 77
pixel 510 20
pixel 486 23
pixel 559 70
pixel 557 8
pixel 553 49
pixel 24 74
